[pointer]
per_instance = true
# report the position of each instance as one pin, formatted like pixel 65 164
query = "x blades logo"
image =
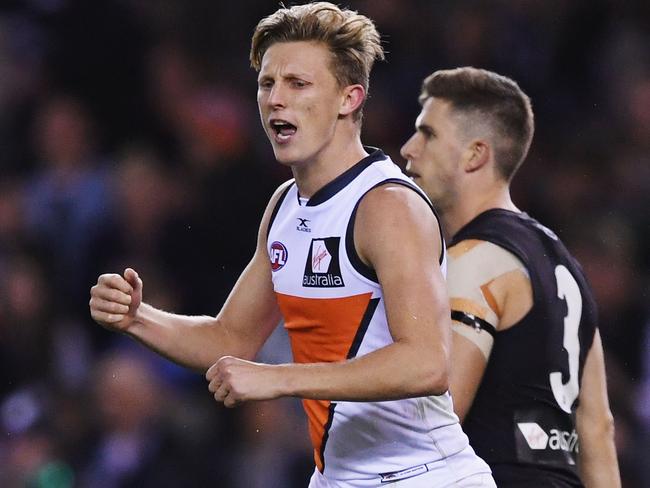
pixel 302 225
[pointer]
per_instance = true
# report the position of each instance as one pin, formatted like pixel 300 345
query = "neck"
pixel 335 158
pixel 473 203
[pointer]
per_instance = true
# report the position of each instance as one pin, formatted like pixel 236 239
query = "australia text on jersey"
pixel 323 269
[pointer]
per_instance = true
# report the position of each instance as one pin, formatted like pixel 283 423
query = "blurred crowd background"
pixel 129 135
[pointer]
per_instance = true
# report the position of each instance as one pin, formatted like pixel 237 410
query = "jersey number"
pixel 568 290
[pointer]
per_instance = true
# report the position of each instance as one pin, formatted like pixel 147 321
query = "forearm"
pixel 595 424
pixel 395 371
pixel 598 462
pixel 192 341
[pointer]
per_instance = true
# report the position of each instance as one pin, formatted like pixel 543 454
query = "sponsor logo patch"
pixel 322 269
pixel 279 255
pixel 546 437
pixel 534 435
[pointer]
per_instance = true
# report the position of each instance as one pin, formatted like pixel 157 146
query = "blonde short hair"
pixel 352 39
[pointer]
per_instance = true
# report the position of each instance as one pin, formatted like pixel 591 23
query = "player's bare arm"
pixel 241 327
pixel 595 424
pixel 489 291
pixel 392 223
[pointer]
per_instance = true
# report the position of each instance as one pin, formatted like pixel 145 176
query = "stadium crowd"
pixel 129 136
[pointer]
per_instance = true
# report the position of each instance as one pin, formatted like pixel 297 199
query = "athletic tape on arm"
pixel 472 266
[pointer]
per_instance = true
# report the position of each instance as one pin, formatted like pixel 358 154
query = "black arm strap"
pixel 473 321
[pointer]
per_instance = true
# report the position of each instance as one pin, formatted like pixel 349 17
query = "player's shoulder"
pixel 396 212
pixel 281 190
pixel 483 248
pixel 468 256
pixel 279 194
pixel 274 203
pixel 394 198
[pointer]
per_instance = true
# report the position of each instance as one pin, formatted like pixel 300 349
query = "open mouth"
pixel 283 130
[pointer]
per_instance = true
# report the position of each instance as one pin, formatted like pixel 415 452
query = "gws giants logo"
pixel 322 269
pixel 279 255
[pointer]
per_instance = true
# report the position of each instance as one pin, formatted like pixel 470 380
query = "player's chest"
pixel 307 249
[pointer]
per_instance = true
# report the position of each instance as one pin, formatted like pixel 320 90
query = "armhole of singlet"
pixel 276 209
pixel 351 250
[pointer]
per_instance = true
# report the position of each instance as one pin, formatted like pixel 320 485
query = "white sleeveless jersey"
pixel 333 310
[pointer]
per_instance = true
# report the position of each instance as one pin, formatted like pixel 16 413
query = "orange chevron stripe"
pixel 321 330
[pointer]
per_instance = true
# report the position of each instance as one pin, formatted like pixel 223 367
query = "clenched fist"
pixel 234 381
pixel 115 299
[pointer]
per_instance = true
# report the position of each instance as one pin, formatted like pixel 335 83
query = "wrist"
pixel 140 318
pixel 283 380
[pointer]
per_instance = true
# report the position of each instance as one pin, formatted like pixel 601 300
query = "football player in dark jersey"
pixel 528 377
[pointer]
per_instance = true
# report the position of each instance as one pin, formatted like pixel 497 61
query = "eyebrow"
pixel 426 129
pixel 288 76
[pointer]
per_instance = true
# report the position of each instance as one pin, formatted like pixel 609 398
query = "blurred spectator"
pixel 133 446
pixel 25 333
pixel 68 201
pixel 268 425
pixel 28 452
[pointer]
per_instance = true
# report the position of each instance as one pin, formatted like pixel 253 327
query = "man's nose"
pixel 277 96
pixel 407 150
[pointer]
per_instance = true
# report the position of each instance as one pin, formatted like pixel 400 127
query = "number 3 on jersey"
pixel 568 290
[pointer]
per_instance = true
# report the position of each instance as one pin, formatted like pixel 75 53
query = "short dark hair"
pixel 498 100
pixel 352 39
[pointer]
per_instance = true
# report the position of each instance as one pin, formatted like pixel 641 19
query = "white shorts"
pixel 458 471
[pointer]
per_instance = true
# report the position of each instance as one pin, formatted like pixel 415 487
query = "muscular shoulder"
pixel 271 209
pixel 488 281
pixel 481 261
pixel 280 191
pixel 394 204
pixel 395 212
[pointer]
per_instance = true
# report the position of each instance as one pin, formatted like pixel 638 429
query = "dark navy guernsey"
pixel 522 421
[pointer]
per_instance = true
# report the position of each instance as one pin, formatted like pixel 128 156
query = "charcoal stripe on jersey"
pixel 363 327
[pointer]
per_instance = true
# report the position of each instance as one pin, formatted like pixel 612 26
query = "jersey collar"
pixel 345 178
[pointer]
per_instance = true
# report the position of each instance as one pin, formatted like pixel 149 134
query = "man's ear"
pixel 353 97
pixel 476 155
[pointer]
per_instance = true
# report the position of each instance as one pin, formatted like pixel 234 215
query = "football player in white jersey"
pixel 314 62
